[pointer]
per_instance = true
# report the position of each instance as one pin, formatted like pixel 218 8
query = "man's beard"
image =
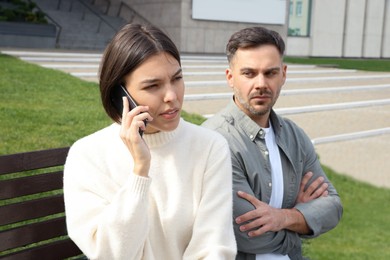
pixel 248 107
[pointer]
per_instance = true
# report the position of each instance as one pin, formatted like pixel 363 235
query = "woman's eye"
pixel 178 77
pixel 151 86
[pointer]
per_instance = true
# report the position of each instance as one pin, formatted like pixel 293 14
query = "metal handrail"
pixel 98 15
pixel 86 6
pixel 108 4
pixel 57 25
pixel 133 11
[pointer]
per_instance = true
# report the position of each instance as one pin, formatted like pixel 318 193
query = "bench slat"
pixel 31 209
pixel 13 188
pixel 56 250
pixel 24 234
pixel 32 160
pixel 32 233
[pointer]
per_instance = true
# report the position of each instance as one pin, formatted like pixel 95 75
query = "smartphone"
pixel 118 93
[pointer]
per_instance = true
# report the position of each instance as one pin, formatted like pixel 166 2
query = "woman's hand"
pixel 132 122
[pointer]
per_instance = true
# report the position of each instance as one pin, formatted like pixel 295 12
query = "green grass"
pixel 359 64
pixel 364 230
pixel 42 108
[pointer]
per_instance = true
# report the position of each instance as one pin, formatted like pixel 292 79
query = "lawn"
pixel 364 230
pixel 359 64
pixel 43 108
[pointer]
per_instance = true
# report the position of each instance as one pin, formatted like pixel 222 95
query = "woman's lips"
pixel 170 114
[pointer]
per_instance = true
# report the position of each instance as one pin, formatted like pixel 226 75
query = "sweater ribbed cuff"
pixel 139 185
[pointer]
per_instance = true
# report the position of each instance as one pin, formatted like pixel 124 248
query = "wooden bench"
pixel 32 218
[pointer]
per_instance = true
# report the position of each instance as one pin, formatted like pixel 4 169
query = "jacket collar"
pixel 235 116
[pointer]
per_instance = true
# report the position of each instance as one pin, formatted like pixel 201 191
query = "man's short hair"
pixel 253 37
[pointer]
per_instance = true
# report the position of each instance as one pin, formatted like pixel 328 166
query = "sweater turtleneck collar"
pixel 161 138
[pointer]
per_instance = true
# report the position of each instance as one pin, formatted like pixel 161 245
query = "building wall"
pixel 372 42
pixel 346 28
pixel 190 35
pixel 27 35
pixel 298 46
pixel 386 32
pixel 211 36
pixel 165 14
pixel 327 27
pixel 353 41
pixel 338 28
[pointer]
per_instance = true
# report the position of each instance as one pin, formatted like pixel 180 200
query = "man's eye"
pixel 179 77
pixel 272 73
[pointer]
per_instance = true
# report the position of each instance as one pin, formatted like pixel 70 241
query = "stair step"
pixel 81 28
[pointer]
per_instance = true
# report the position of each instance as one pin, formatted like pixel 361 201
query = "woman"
pixel 166 194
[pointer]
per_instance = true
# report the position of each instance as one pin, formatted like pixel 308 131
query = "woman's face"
pixel 158 83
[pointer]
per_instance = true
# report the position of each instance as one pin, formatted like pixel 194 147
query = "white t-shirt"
pixel 277 184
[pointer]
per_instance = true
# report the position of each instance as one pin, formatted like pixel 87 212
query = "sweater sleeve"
pixel 213 236
pixel 106 220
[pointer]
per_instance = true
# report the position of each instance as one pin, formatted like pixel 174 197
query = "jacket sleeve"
pixel 281 242
pixel 324 213
pixel 213 236
pixel 98 211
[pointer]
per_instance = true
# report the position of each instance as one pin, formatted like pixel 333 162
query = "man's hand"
pixel 262 219
pixel 316 189
pixel 265 218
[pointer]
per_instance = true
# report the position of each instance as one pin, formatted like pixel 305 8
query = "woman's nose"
pixel 170 94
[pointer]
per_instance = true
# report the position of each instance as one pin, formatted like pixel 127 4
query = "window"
pixel 298 11
pixel 299 22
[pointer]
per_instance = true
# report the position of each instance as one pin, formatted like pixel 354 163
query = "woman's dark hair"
pixel 129 48
pixel 253 37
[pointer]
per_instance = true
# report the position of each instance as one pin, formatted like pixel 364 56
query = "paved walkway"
pixel 345 112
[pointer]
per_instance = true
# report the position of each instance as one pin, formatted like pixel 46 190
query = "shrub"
pixel 21 11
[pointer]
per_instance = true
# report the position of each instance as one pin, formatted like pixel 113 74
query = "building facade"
pixel 176 18
pixel 311 28
pixel 340 28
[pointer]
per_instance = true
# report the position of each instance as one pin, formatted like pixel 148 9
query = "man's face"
pixel 257 76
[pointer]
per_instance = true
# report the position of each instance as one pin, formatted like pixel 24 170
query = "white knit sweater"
pixel 183 210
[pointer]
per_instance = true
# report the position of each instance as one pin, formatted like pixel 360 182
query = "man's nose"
pixel 260 81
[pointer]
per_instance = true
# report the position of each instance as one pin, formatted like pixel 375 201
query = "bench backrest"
pixel 32 218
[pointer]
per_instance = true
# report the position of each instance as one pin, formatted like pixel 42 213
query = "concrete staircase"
pixel 83 25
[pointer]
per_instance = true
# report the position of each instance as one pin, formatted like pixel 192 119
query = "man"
pixel 280 191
